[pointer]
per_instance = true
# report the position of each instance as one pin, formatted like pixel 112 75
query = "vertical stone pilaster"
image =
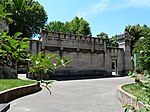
pixel 127 56
pixel 121 62
pixel 34 48
pixel 108 63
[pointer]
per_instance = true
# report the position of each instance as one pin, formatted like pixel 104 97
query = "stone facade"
pixel 89 55
pixel 3 25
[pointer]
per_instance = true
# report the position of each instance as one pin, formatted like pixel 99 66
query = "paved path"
pixel 90 95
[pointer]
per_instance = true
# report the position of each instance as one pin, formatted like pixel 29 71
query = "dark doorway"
pixel 114 67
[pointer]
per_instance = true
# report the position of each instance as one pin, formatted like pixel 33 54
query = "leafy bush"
pixel 12 51
pixel 143 83
pixel 142 49
pixel 40 64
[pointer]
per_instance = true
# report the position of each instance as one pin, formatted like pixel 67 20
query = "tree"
pixel 142 49
pixel 102 35
pixel 135 33
pixel 80 26
pixel 28 16
pixel 113 41
pixel 76 26
pixel 84 28
pixel 18 4
pixel 110 42
pixel 56 26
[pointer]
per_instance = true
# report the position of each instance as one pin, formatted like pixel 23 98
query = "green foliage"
pixel 141 90
pixel 40 64
pixel 47 85
pixel 135 32
pixel 18 4
pixel 4 15
pixel 80 26
pixel 102 35
pixel 128 108
pixel 28 16
pixel 56 26
pixel 113 42
pixel 12 50
pixel 110 42
pixel 142 49
pixel 11 83
pixel 76 26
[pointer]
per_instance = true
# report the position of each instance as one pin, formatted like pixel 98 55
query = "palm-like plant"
pixel 18 4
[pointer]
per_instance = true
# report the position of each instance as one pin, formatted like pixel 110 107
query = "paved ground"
pixel 90 95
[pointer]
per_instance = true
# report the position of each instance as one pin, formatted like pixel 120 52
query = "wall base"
pixel 64 74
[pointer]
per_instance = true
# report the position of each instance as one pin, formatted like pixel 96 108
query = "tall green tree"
pixel 28 16
pixel 135 33
pixel 76 26
pixel 142 48
pixel 84 28
pixel 56 26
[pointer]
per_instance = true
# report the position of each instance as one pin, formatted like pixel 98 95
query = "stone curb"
pixel 127 98
pixel 4 107
pixel 14 93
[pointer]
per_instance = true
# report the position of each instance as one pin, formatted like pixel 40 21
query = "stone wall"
pixel 3 25
pixel 77 42
pixel 127 98
pixel 117 54
pixel 14 93
pixel 89 55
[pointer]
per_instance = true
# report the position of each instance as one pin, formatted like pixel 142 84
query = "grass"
pixel 11 83
pixel 135 90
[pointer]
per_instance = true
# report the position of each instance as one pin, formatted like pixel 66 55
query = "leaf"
pixel 25 40
pixel 126 110
pixel 17 34
pixel 45 71
pixel 6 47
pixel 18 4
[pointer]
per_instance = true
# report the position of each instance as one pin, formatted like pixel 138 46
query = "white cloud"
pixel 137 3
pixel 95 8
pixel 108 5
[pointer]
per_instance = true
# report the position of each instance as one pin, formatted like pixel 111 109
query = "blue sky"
pixel 110 16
